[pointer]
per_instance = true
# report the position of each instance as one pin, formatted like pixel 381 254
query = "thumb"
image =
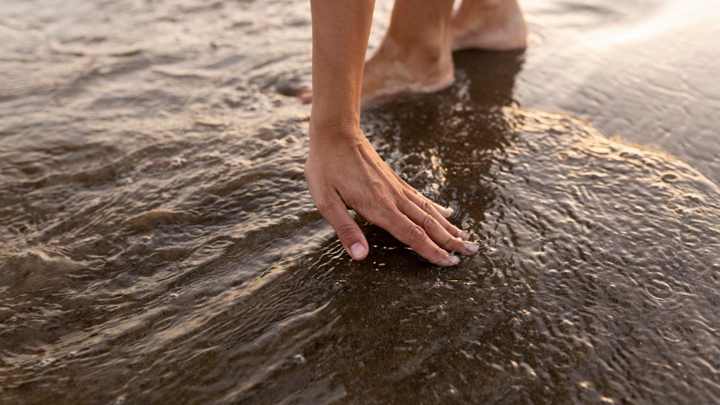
pixel 334 211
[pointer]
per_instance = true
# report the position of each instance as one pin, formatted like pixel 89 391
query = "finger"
pixel 436 231
pixel 388 217
pixel 430 207
pixel 445 212
pixel 333 209
pixel 305 95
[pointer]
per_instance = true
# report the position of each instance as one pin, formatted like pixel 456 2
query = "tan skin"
pixel 343 170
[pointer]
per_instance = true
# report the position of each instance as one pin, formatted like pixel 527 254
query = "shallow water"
pixel 160 246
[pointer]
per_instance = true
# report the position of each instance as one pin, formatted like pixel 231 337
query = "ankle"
pixel 432 47
pixel 488 5
pixel 487 10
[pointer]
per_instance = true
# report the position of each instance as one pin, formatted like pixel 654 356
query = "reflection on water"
pixel 160 246
pixel 638 69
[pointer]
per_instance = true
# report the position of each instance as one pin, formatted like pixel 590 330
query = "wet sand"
pixel 160 246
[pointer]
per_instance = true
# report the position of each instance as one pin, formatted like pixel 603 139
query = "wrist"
pixel 333 122
pixel 326 130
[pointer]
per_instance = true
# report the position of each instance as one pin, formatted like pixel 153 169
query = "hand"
pixel 344 172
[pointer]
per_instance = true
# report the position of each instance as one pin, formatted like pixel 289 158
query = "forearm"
pixel 343 171
pixel 340 35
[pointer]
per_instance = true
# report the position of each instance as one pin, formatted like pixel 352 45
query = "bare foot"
pixel 496 25
pixel 395 70
pixel 305 95
pixel 414 57
pixel 392 71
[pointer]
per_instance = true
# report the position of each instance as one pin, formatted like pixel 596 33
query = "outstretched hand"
pixel 344 171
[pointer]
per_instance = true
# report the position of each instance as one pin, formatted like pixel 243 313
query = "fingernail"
pixel 446 212
pixel 452 260
pixel 357 251
pixel 464 235
pixel 472 247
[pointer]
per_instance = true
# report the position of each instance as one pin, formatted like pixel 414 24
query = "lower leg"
pixel 489 24
pixel 416 54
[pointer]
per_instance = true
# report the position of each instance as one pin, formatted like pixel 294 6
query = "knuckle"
pixel 426 206
pixel 384 204
pixel 345 231
pixel 416 234
pixel 453 244
pixel 429 223
pixel 323 207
